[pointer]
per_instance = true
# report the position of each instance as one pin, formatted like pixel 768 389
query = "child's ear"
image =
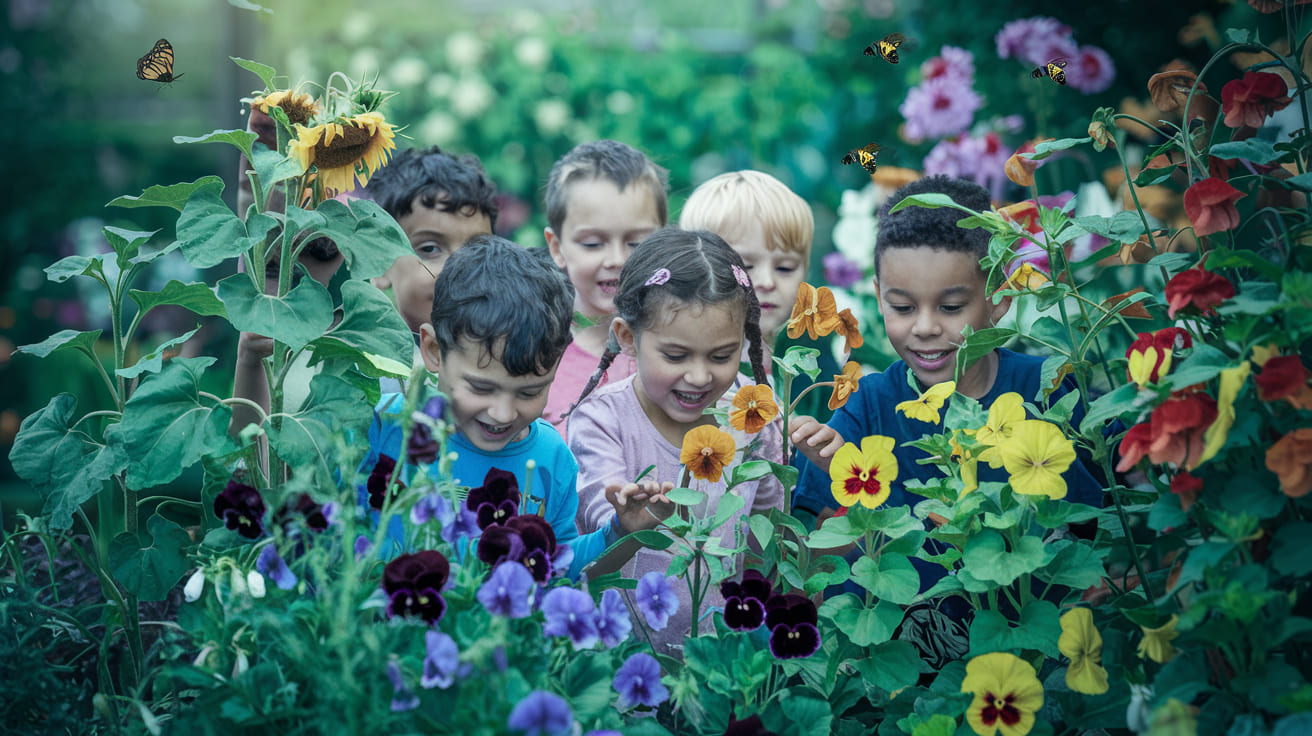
pixel 624 335
pixel 553 246
pixel 999 310
pixel 428 348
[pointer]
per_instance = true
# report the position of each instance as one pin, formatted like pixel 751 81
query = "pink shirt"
pixel 576 367
pixel 613 440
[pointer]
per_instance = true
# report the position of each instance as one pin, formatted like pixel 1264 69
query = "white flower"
pixel 551 116
pixel 464 50
pixel 1138 715
pixel 194 587
pixel 440 85
pixel 237 582
pixel 408 72
pixel 620 102
pixel 202 659
pixel 240 665
pixel 255 581
pixel 471 96
pixel 854 233
pixel 438 128
pixel 533 53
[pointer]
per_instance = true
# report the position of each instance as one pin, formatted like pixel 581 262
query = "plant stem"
pixel 1115 489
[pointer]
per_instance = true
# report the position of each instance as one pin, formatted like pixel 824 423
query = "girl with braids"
pixel 684 305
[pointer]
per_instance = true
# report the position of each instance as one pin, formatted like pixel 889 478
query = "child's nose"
pixel 501 411
pixel 926 324
pixel 616 254
pixel 762 279
pixel 698 374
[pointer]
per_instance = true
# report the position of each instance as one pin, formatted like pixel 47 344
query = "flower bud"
pixel 255 581
pixel 237 582
pixel 194 587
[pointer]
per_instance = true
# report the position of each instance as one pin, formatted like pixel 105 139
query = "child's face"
pixel 776 275
pixel 490 407
pixel 685 363
pixel 602 227
pixel 434 236
pixel 927 296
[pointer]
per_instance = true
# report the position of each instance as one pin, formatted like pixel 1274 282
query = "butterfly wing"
pixel 888 47
pixel 850 158
pixel 157 65
pixel 869 157
pixel 1055 70
pixel 1038 72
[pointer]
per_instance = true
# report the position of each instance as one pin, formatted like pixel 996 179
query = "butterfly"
pixel 867 156
pixel 886 47
pixel 1052 69
pixel 157 66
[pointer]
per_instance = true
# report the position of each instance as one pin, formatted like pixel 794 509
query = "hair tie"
pixel 740 276
pixel 660 276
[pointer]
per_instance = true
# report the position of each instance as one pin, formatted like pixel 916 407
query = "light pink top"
pixel 576 367
pixel 613 440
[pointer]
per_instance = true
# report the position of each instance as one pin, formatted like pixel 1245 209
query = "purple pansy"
pixel 541 713
pixel 304 508
pixel 242 509
pixel 379 479
pixel 792 620
pixel 463 523
pixel 744 602
pixel 638 681
pixel 432 506
pixel 613 622
pixel 656 599
pixel 528 539
pixel 506 591
pixel 362 546
pixel 570 612
pixel 749 726
pixel 424 443
pixel 413 584
pixel 441 660
pixel 939 107
pixel 496 500
pixel 272 565
pixel 403 698
pixel 841 271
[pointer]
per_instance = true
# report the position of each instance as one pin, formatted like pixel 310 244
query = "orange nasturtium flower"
pixel 925 407
pixel 753 408
pixel 864 474
pixel 1035 457
pixel 1290 458
pixel 814 312
pixel 850 328
pixel 345 150
pixel 706 451
pixel 1007 694
pixel 1081 642
pixel 845 384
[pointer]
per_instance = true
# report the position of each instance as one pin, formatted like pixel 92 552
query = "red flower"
pixel 1135 445
pixel 1210 205
pixel 1186 486
pixel 1194 287
pixel 1249 101
pixel 1281 377
pixel 1150 355
pixel 1178 425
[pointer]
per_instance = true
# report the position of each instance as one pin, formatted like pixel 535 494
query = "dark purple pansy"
pixel 379 478
pixel 304 508
pixel 744 602
pixel 424 445
pixel 749 726
pixel 241 508
pixel 500 543
pixel 413 584
pixel 539 544
pixel 792 620
pixel 496 500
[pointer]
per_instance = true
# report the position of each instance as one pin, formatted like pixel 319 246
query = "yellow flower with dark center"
pixel 1081 642
pixel 925 408
pixel 1156 643
pixel 1232 379
pixel 706 451
pixel 344 151
pixel 299 106
pixel 1035 457
pixel 845 384
pixel 814 312
pixel 1007 694
pixel 753 408
pixel 864 474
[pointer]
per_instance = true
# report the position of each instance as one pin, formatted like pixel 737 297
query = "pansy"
pixel 432 506
pixel 303 508
pixel 792 620
pixel 1156 643
pixel 508 590
pixel 753 408
pixel 499 543
pixel 744 602
pixel 539 545
pixel 242 509
pixel 845 384
pixel 570 612
pixel 814 312
pixel 272 564
pixel 1007 411
pixel 441 660
pixel 1082 644
pixel 425 441
pixel 413 584
pixel 638 682
pixel 403 698
pixel 706 451
pixel 655 599
pixel 541 713
pixel 925 407
pixel 863 475
pixel 750 726
pixel 1149 356
pixel 850 328
pixel 1035 457
pixel 1290 458
pixel 379 478
pixel 496 500
pixel 1210 205
pixel 613 622
pixel 1249 101
pixel 840 270
pixel 1007 694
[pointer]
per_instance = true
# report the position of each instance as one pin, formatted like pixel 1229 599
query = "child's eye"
pixel 591 244
pixel 480 390
pixel 785 269
pixel 531 394
pixel 900 308
pixel 673 358
pixel 951 308
pixel 430 249
pixel 633 245
pixel 723 358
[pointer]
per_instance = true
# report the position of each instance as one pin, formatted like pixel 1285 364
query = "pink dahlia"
pixel 1090 70
pixel 951 62
pixel 938 108
pixel 1035 40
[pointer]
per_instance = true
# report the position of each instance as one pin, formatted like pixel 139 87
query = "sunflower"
pixel 299 106
pixel 344 151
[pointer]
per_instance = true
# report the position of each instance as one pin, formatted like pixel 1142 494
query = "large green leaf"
pixel 174 195
pixel 370 326
pixel 167 426
pixel 1076 565
pixel 1289 549
pixel 66 268
pixel 1038 628
pixel 126 243
pixel 1110 405
pixel 1124 227
pixel 795 706
pixel 209 233
pixel 978 343
pixel 894 521
pixel 308 436
pixel 369 238
pixel 263 71
pixel 987 558
pixel 891 666
pixel 150 564
pixel 294 320
pixel 1253 149
pixel 892 578
pixel 195 297
pixel 240 139
pixel 62 464
pixel 865 626
pixel 1203 364
pixel 63 340
pixel 153 362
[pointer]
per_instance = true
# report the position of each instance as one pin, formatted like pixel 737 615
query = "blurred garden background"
pixel 776 85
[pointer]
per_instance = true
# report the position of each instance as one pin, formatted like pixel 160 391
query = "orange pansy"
pixel 845 384
pixel 706 451
pixel 814 312
pixel 753 408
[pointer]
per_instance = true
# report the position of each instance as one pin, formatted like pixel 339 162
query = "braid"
pixel 607 357
pixel 755 344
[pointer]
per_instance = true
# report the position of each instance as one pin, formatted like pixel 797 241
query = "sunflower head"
pixel 346 150
pixel 299 106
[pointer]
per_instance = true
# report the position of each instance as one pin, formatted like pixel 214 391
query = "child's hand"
pixel 253 348
pixel 633 500
pixel 818 442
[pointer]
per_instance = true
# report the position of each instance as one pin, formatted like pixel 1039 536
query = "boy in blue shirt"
pixel 500 322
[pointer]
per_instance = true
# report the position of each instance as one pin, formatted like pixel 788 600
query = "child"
pixel 683 307
pixel 602 198
pixel 499 324
pixel 441 201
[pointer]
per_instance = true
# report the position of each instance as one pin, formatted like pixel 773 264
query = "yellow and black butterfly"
pixel 886 47
pixel 157 66
pixel 1054 69
pixel 867 156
